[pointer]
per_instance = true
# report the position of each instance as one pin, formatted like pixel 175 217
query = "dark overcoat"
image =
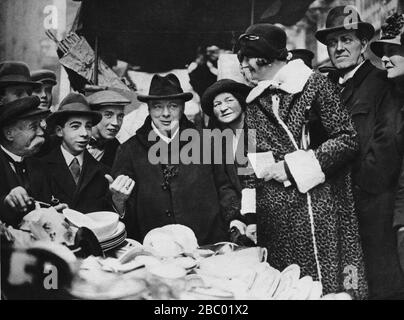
pixel 92 191
pixel 196 195
pixel 38 187
pixel 375 111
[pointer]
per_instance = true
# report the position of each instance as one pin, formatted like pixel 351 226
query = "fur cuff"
pixel 248 204
pixel 305 169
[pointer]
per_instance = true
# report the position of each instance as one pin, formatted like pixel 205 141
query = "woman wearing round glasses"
pixel 305 209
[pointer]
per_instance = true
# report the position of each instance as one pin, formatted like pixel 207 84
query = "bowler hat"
pixel 391 33
pixel 74 104
pixel 306 55
pixel 344 18
pixel 165 88
pixel 44 76
pixel 22 108
pixel 223 85
pixel 16 73
pixel 107 98
pixel 263 40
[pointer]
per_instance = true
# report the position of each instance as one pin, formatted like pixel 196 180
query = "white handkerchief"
pixel 259 161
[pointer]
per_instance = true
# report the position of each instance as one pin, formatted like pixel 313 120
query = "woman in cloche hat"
pixel 304 202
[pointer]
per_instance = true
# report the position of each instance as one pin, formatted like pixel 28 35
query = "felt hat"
pixel 44 76
pixel 165 88
pixel 224 85
pixel 344 18
pixel 16 73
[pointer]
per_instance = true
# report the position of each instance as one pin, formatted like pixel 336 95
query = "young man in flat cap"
pixel 76 178
pixel 47 78
pixel 103 143
pixel 169 191
pixel 22 177
pixel 365 93
pixel 15 81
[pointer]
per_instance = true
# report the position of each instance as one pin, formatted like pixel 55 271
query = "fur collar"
pixel 291 79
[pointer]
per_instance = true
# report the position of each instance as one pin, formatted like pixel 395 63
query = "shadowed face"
pixel 75 134
pixel 11 93
pixel 166 114
pixel 393 60
pixel 111 122
pixel 226 107
pixel 345 49
pixel 44 93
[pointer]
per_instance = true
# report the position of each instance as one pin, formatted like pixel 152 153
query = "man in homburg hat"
pixel 103 143
pixel 167 191
pixel 22 177
pixel 15 81
pixel 76 178
pixel 47 78
pixel 365 93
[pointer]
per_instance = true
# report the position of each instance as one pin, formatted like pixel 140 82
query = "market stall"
pixel 95 260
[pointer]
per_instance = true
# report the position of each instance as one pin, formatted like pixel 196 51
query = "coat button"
pixel 164 186
pixel 168 213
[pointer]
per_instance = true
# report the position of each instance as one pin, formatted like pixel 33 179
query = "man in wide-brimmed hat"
pixel 15 81
pixel 47 78
pixel 364 91
pixel 168 188
pixel 76 178
pixel 22 177
pixel 111 105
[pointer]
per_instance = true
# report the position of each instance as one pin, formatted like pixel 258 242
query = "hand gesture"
pixel 121 188
pixel 18 199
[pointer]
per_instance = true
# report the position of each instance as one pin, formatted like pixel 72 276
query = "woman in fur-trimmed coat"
pixel 304 201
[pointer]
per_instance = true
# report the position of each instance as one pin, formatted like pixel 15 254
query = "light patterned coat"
pixel 283 213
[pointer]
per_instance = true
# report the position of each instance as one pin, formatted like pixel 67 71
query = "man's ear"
pixel 365 44
pixel 59 131
pixel 8 133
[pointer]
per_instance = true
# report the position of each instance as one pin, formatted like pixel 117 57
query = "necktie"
pixel 75 169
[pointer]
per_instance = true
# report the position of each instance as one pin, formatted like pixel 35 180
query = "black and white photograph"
pixel 210 151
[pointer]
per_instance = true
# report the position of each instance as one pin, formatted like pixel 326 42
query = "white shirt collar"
pixel 349 75
pixel 162 136
pixel 12 155
pixel 69 157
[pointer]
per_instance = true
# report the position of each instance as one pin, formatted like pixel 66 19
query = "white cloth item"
pixel 349 75
pixel 162 136
pixel 248 201
pixel 239 225
pixel 291 78
pixel 305 169
pixel 69 157
pixel 132 122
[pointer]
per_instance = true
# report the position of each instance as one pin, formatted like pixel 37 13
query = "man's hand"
pixel 276 171
pixel 121 188
pixel 18 199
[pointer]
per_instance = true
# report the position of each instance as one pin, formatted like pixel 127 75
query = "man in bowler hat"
pixel 194 194
pixel 365 93
pixel 15 81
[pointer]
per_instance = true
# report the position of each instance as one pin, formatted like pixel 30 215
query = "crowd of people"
pixel 331 200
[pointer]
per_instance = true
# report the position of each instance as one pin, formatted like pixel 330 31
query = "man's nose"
pixel 40 131
pixel 83 132
pixel 114 120
pixel 166 111
pixel 340 45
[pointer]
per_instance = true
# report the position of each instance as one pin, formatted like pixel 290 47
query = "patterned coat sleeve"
pixel 342 143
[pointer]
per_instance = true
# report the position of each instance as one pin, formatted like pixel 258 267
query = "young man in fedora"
pixel 47 78
pixel 103 143
pixel 75 177
pixel 15 81
pixel 194 194
pixel 365 93
pixel 22 177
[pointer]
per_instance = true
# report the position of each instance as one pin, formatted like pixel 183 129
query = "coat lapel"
pixel 10 176
pixel 60 171
pixel 89 170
